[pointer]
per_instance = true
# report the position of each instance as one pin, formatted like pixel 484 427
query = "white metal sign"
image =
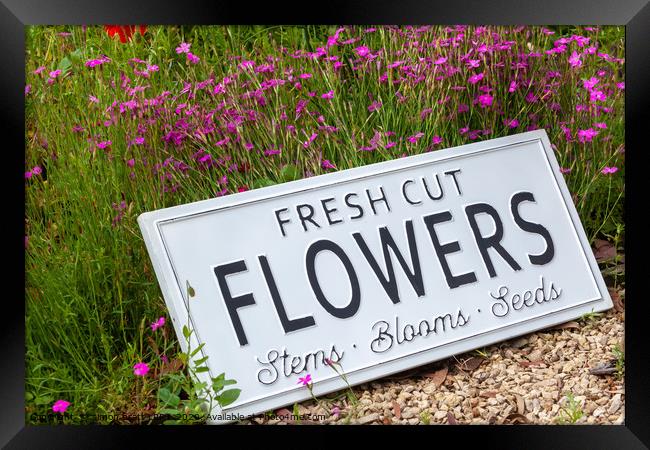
pixel 379 268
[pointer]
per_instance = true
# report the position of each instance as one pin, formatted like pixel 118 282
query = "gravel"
pixel 525 380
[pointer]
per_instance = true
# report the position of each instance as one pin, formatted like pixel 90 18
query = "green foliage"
pixel 570 412
pixel 590 317
pixel 188 400
pixel 90 288
pixel 619 354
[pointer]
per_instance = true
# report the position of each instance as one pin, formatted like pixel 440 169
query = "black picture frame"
pixel 16 14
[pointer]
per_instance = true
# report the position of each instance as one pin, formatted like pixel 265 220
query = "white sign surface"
pixel 379 268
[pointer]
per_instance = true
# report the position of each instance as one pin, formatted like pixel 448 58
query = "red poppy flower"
pixel 125 32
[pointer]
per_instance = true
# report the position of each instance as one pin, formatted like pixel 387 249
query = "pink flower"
pixel 374 106
pixel 512 123
pixel 183 48
pixel 513 86
pixel 60 406
pixel 104 144
pixel 37 170
pixel 601 125
pixel 336 411
pixel 564 170
pixel 436 140
pixel 93 99
pixel 191 57
pixel 327 164
pixel 140 369
pixel 590 83
pixel 609 170
pixel 271 152
pixel 476 78
pixel 39 70
pixel 158 323
pixel 440 60
pixel 473 63
pixel 28 89
pixel 55 73
pixel 306 380
pixel 28 174
pixel 485 100
pixel 574 59
pixel 621 85
pixel 328 95
pixel 586 135
pixel 304 76
pixel 413 139
pixel 309 140
pixel 595 96
pixel 362 51
pixel 97 62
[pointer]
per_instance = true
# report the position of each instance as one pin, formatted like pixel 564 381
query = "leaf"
pixel 438 377
pixel 153 345
pixel 197 349
pixel 76 56
pixel 65 65
pixel 173 366
pixel 538 362
pixel 397 411
pixel 451 420
pixel 171 412
pixel 470 364
pixel 201 369
pixel 290 172
pixel 228 397
pixel 186 332
pixel 619 303
pixel 163 394
pixel 262 182
pixel 606 368
pixel 521 406
pixel 43 400
pixel 168 398
pixel 190 290
pixel 604 250
pixel 198 362
pixel 516 418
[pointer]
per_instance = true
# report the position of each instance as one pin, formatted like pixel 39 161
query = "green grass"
pixel 570 412
pixel 90 289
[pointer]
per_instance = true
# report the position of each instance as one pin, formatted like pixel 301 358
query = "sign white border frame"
pixel 174 292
